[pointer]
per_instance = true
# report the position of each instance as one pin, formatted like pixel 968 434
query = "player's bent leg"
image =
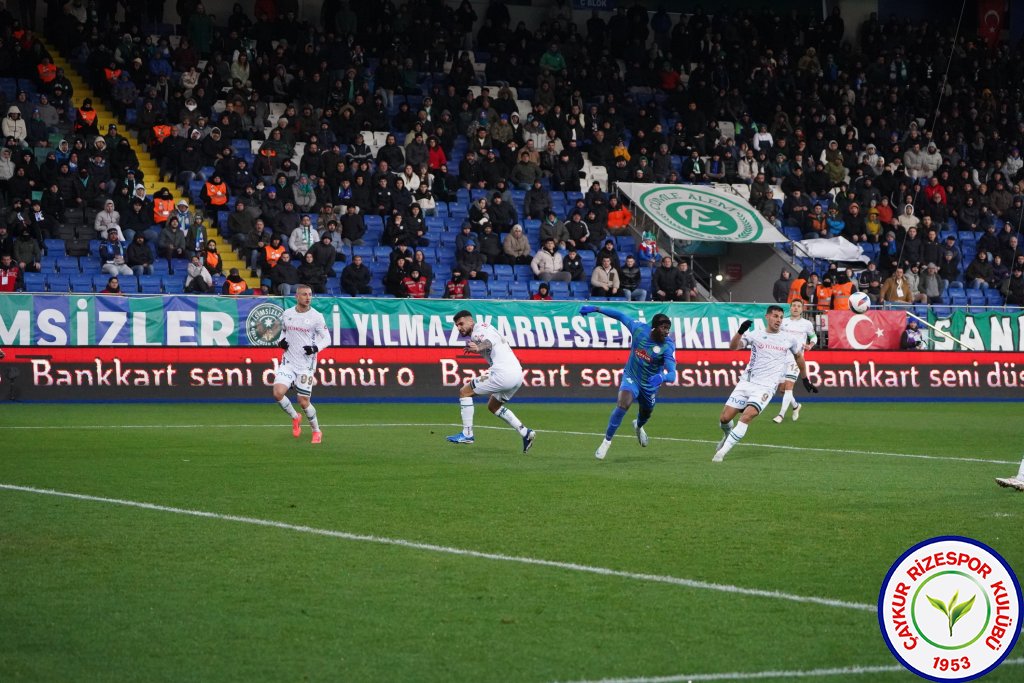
pixel 644 414
pixel 737 433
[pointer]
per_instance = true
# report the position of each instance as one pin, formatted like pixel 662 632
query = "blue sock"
pixel 614 422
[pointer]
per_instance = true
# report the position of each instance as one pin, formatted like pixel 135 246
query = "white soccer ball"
pixel 860 302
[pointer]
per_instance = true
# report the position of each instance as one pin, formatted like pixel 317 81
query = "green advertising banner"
pixel 92 320
pixel 990 331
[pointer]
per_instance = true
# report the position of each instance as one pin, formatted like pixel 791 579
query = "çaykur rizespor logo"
pixel 263 324
pixel 950 609
pixel 702 215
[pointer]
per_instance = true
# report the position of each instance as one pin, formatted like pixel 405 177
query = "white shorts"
pixel 750 394
pixel 792 372
pixel 500 383
pixel 301 378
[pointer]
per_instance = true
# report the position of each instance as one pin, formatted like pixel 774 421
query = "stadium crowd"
pixel 422 150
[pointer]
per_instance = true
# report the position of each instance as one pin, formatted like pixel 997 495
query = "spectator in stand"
pixel 312 273
pixel 138 256
pixel 457 287
pixel 472 263
pixel 197 279
pixel 913 338
pixel 780 290
pixel 516 247
pixel 604 280
pixel 979 272
pixel 897 289
pixel 572 264
pixel 547 263
pixel 356 277
pixel 113 287
pixel 543 292
pixel 112 255
pixel 1013 289
pixel 631 277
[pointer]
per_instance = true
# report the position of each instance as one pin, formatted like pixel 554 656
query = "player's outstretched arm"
pixel 737 339
pixel 808 384
pixel 610 312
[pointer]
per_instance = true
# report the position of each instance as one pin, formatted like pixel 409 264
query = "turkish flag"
pixel 991 20
pixel 875 330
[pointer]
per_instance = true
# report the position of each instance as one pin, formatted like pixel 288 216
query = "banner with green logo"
pixel 213 321
pixel 990 331
pixel 701 213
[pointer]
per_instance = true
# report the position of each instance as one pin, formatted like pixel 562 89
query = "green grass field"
pixel 815 511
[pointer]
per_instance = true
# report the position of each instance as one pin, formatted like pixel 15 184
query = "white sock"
pixel 466 409
pixel 513 421
pixel 735 435
pixel 1020 474
pixel 787 400
pixel 311 414
pixel 286 406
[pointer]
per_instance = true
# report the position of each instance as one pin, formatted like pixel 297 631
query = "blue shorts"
pixel 643 395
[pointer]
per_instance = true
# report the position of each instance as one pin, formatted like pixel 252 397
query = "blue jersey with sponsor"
pixel 647 357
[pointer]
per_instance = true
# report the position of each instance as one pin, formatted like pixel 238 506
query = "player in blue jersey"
pixel 652 360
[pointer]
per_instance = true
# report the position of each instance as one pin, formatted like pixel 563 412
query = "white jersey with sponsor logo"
pixel 500 355
pixel 769 356
pixel 801 328
pixel 303 329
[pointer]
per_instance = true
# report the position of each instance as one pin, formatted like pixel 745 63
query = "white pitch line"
pixel 448 550
pixel 765 675
pixel 674 439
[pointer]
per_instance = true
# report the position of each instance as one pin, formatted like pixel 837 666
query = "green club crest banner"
pixel 701 213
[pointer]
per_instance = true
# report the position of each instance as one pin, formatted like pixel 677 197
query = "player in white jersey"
pixel 1013 482
pixel 803 329
pixel 501 381
pixel 770 352
pixel 304 334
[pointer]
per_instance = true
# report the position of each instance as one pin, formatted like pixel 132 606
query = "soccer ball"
pixel 860 302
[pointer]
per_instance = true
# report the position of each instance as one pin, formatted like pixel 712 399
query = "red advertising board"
pixel 364 374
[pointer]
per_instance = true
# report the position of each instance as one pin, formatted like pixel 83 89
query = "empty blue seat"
pixel 67 265
pixel 150 284
pixel 53 247
pixel 503 272
pixel 80 283
pixel 35 282
pixel 519 290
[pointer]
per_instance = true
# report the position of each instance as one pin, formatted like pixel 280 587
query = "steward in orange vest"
pixel 163 206
pixel 796 288
pixel 272 252
pixel 841 293
pixel 85 119
pixel 823 295
pixel 215 193
pixel 234 284
pixel 47 71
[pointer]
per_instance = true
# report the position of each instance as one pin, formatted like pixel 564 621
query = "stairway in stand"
pixel 147 164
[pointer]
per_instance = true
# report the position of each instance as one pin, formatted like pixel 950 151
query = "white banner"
pixel 701 213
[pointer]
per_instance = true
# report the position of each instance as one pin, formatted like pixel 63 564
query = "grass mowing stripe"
pixel 674 439
pixel 766 675
pixel 430 547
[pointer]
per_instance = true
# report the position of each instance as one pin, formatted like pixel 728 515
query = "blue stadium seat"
pixel 499 289
pixel 67 265
pixel 99 282
pixel 519 290
pixel 53 247
pixel 503 272
pixel 994 297
pixel 35 282
pixel 80 283
pixel 560 290
pixel 59 283
pixel 151 284
pixel 523 273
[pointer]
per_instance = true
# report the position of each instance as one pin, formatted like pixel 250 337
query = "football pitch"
pixel 202 542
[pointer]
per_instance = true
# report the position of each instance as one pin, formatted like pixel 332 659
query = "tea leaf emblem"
pixel 953 611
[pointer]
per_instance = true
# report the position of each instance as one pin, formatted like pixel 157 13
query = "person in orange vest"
pixel 110 73
pixel 841 292
pixel 86 123
pixel 823 294
pixel 215 194
pixel 619 217
pixel 163 206
pixel 234 284
pixel 796 288
pixel 47 71
pixel 272 254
